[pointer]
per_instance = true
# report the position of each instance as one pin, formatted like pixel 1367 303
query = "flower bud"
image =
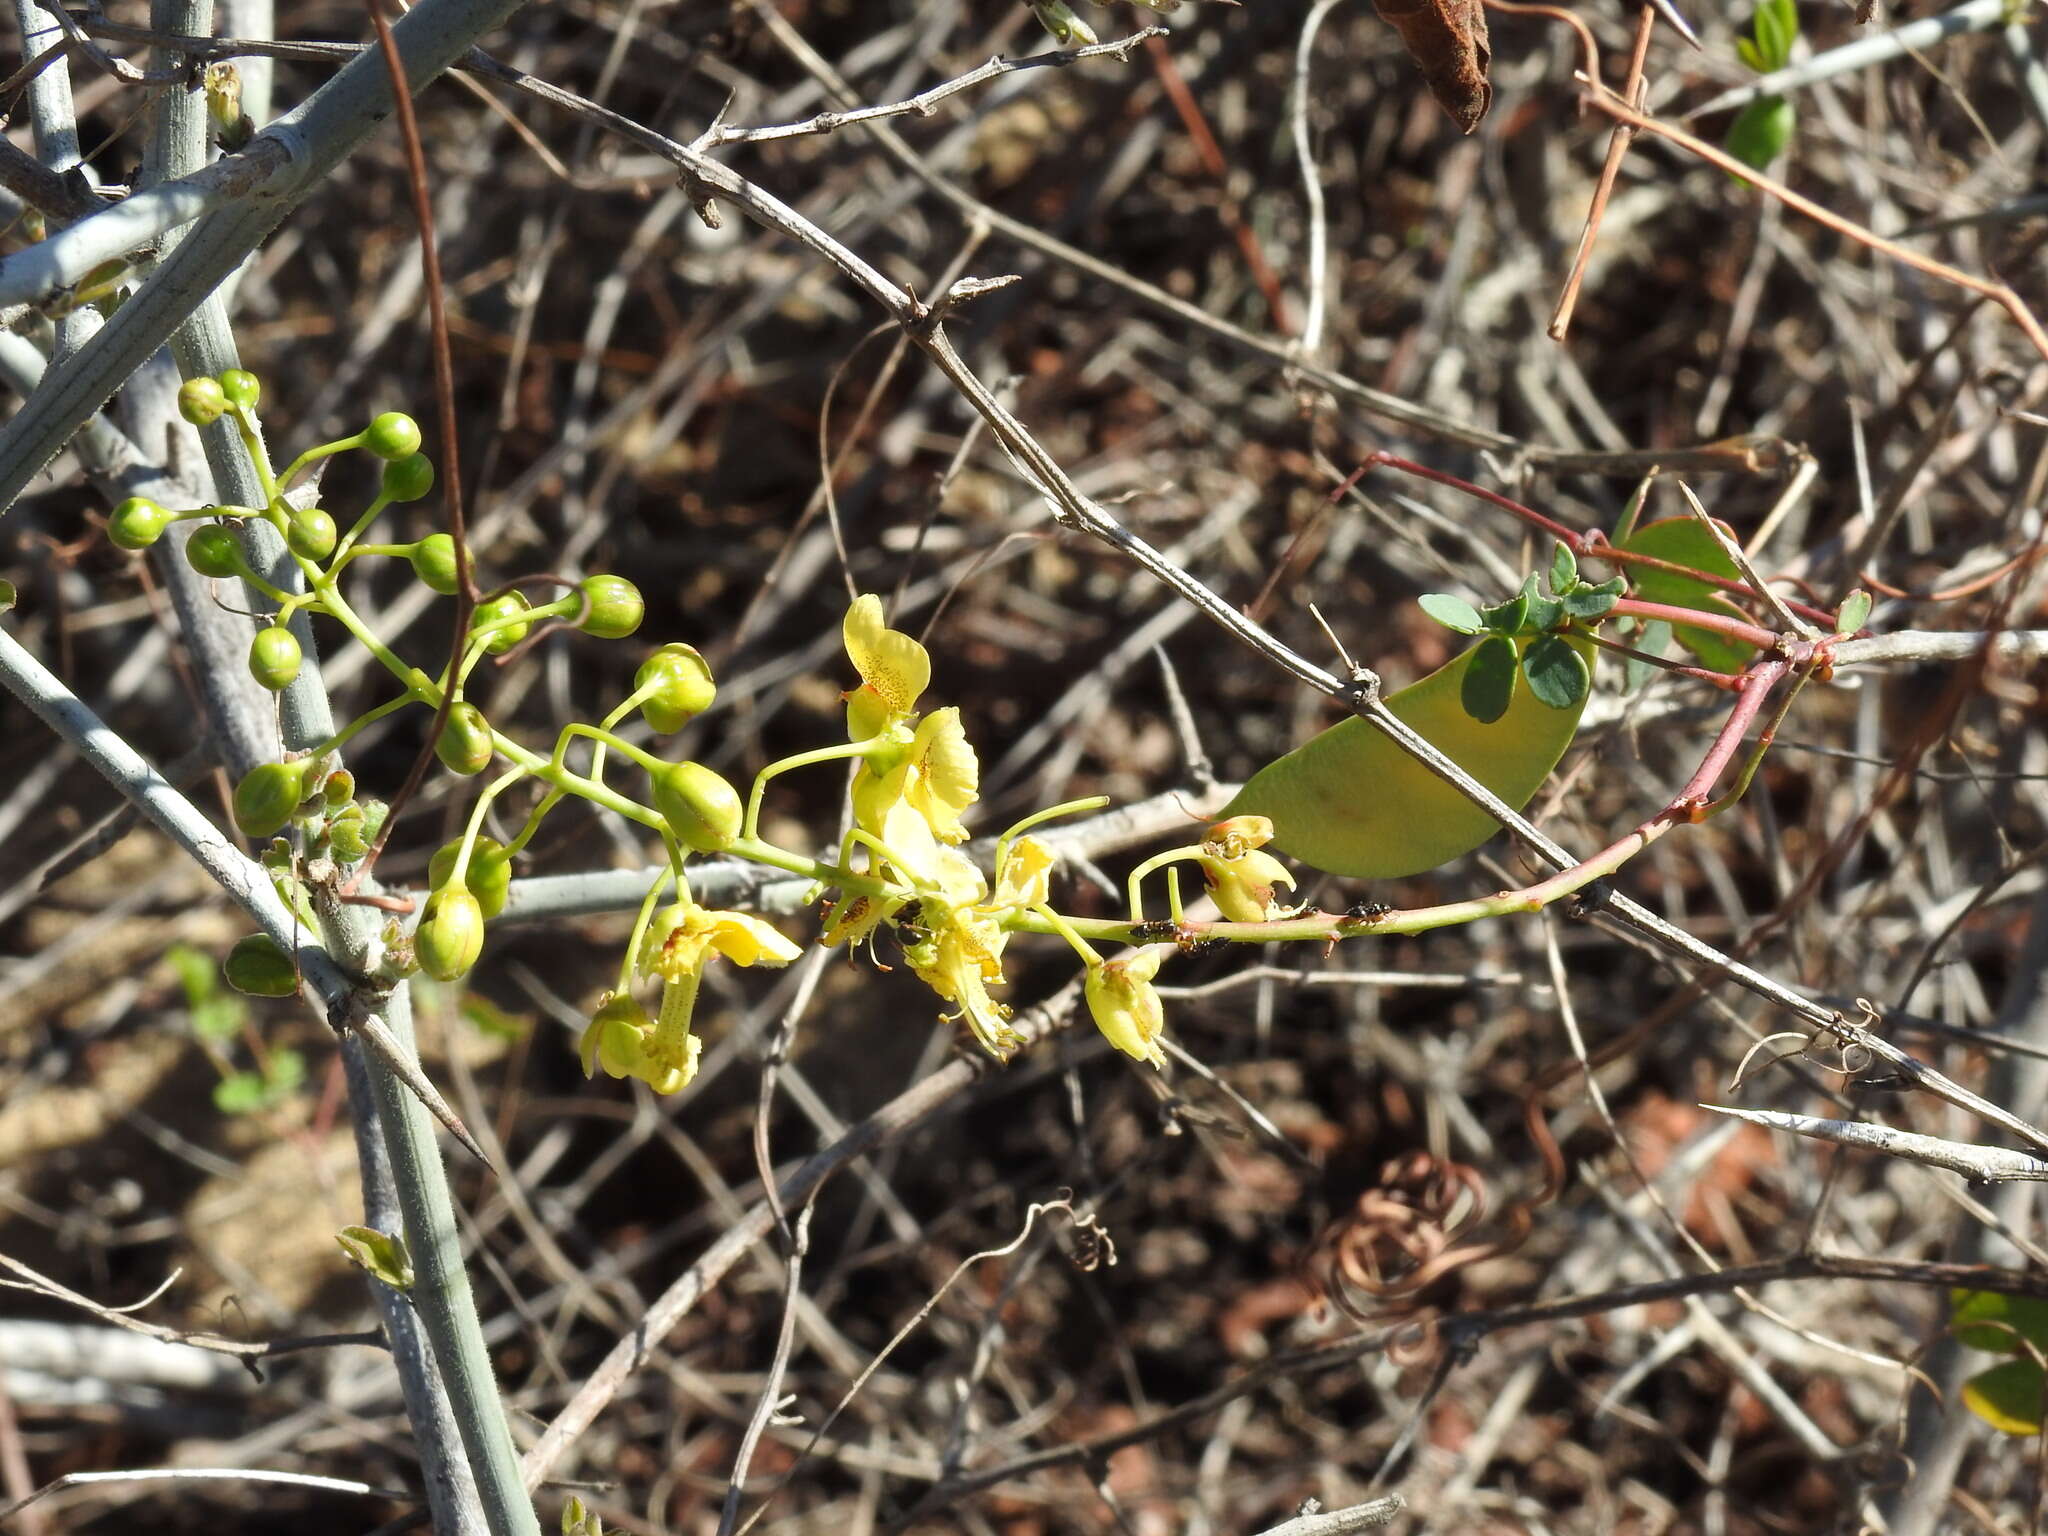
pixel 702 810
pixel 259 966
pixel 409 478
pixel 614 1036
pixel 339 789
pixel 267 796
pixel 489 875
pixel 683 687
pixel 138 523
pixel 465 745
pixel 241 388
pixel 433 561
pixel 615 607
pixel 509 606
pixel 392 436
pixel 310 533
pixel 201 401
pixel 451 934
pixel 224 105
pixel 274 658
pixel 212 551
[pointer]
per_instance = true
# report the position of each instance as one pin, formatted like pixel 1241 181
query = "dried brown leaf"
pixel 1447 39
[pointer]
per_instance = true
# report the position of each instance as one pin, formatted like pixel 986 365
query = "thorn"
pixel 1678 23
pixel 385 1047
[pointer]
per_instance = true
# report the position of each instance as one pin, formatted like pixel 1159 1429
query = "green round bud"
pixel 465 744
pixel 310 533
pixel 259 966
pixel 241 388
pixel 510 606
pixel 267 796
pixel 451 934
pixel 409 478
pixel 701 809
pixel 392 436
pixel 138 523
pixel 274 658
pixel 340 788
pixel 683 687
pixel 433 561
pixel 212 551
pixel 615 607
pixel 201 401
pixel 489 876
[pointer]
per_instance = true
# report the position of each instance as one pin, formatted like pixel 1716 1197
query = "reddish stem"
pixel 1721 624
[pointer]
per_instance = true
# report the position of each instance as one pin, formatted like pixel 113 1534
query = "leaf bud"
pixel 409 478
pixel 498 641
pixel 241 388
pixel 433 561
pixel 267 796
pixel 274 657
pixel 683 687
pixel 489 875
pixel 615 607
pixel 138 523
pixel 201 401
pixel 212 551
pixel 392 436
pixel 451 933
pixel 346 839
pixel 465 744
pixel 310 533
pixel 259 966
pixel 702 809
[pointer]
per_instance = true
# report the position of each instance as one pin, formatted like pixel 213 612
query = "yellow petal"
pixel 888 661
pixel 747 940
pixel 945 776
pixel 1026 877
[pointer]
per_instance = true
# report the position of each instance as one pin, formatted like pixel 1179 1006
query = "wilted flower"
pixel 1126 1006
pixel 1242 880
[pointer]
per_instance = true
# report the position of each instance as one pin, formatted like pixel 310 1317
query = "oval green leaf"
pixel 1489 685
pixel 1452 612
pixel 1685 541
pixel 1558 674
pixel 1351 802
pixel 1989 1321
pixel 2007 1397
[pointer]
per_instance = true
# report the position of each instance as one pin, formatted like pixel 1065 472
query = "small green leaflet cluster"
pixel 218 1017
pixel 2009 1396
pixel 1557 675
pixel 1763 129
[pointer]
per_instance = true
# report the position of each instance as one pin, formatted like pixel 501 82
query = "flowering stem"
pixel 752 826
pixel 321 451
pixel 670 876
pixel 1064 808
pixel 1065 930
pixel 1157 861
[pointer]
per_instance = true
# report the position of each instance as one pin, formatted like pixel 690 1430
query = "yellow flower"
pixel 894 669
pixel 1025 880
pixel 853 919
pixel 959 957
pixel 677 942
pixel 1243 880
pixel 1126 1006
pixel 936 778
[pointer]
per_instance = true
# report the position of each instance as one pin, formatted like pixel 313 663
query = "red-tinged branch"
pixel 1587 546
pixel 1695 618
